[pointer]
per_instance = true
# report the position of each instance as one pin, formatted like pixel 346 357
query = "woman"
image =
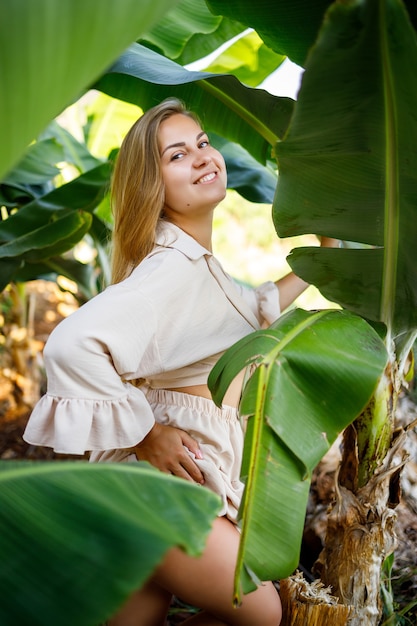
pixel 168 316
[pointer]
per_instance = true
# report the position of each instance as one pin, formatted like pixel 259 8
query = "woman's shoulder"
pixel 163 261
pixel 164 270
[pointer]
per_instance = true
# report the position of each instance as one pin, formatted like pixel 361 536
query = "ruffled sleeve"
pixel 89 359
pixel 73 426
pixel 263 300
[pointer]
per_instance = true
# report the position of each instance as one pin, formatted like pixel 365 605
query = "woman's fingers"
pixel 191 444
pixel 164 447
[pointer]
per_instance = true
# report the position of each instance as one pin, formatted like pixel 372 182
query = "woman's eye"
pixel 177 156
pixel 204 143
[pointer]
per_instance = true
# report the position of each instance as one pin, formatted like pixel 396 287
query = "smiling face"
pixel 194 173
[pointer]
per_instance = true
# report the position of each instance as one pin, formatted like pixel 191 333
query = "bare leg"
pixel 207 582
pixel 147 607
pixel 203 619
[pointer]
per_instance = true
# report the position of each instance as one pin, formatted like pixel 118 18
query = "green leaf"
pixel 109 120
pixel 77 539
pixel 16 194
pixel 200 46
pixel 81 273
pixel 253 181
pixel 75 152
pixel 252 117
pixel 51 51
pixel 38 165
pixel 305 362
pixel 273 515
pixel 8 269
pixel 348 167
pixel 82 193
pixel 248 59
pixel 50 239
pixel 288 27
pixel 189 31
pixel 33 175
pixel 52 224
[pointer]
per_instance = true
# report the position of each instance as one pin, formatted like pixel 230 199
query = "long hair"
pixel 137 191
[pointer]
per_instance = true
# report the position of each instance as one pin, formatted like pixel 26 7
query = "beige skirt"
pixel 218 432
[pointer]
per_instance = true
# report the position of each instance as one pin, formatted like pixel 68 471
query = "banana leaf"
pixel 36 245
pixel 32 176
pixel 75 152
pixel 251 117
pixel 249 178
pixel 77 539
pixel 50 239
pixel 38 165
pixel 83 274
pixel 348 165
pixel 288 27
pixel 189 32
pixel 82 193
pixel 108 121
pixel 52 224
pixel 248 58
pixel 51 51
pixel 305 363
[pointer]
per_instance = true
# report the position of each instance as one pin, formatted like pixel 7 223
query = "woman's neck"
pixel 198 229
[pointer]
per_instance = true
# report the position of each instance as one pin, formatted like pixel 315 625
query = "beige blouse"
pixel 167 323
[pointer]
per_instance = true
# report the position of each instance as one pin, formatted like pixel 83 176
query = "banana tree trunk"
pixel 310 603
pixel 361 531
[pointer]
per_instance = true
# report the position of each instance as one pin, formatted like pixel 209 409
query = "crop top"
pixel 167 323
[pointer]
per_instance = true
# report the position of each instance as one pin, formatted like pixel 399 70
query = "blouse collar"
pixel 169 235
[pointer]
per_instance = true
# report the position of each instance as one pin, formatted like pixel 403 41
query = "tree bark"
pixel 310 603
pixel 361 534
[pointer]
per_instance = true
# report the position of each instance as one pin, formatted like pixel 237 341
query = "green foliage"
pixel 42 222
pixel 51 51
pixel 354 178
pixel 78 538
pixel 189 32
pixel 305 362
pixel 288 27
pixel 249 59
pixel 393 613
pixel 354 79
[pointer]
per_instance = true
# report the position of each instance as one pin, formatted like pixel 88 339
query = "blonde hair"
pixel 137 192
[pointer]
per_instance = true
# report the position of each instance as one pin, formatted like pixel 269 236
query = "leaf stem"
pixel 241 111
pixel 255 453
pixel 391 222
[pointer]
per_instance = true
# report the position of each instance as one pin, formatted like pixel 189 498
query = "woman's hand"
pixel 163 447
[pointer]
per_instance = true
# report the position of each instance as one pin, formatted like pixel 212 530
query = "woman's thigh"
pixel 147 607
pixel 207 581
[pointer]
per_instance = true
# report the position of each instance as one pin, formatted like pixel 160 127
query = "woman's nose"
pixel 201 158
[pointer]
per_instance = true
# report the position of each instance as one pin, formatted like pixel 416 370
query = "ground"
pixel 26 322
